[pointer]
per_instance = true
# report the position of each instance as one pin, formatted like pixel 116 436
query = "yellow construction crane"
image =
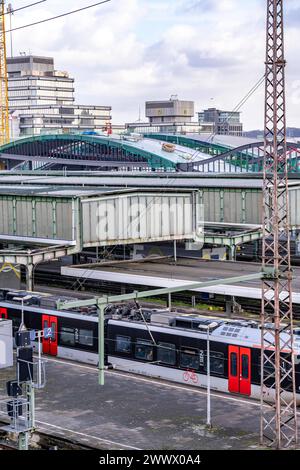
pixel 4 114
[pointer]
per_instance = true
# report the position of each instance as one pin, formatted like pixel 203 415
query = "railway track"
pixel 43 441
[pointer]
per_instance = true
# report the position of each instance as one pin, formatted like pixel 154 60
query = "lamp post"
pixel 208 408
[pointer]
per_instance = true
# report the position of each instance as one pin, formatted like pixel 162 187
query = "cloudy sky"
pixel 129 51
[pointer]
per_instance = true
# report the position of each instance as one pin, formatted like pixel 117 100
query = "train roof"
pixel 220 329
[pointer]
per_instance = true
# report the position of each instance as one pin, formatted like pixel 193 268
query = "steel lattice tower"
pixel 4 115
pixel 278 411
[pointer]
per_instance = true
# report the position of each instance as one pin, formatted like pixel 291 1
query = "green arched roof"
pixel 153 154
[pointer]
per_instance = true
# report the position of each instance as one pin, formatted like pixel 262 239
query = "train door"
pixel 49 325
pixel 3 313
pixel 239 370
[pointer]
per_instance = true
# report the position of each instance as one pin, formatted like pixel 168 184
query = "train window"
pixel 144 350
pixel 166 353
pixel 233 364
pixel 189 358
pixel 123 344
pixel 269 371
pixel 216 363
pixel 245 366
pixel 53 331
pixel 67 336
pixel 86 337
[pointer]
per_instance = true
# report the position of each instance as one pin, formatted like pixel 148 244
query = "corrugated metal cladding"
pixel 36 217
pixel 138 217
pixel 242 206
pixel 232 206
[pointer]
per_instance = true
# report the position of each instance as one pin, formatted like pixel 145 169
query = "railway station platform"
pixel 166 273
pixel 134 412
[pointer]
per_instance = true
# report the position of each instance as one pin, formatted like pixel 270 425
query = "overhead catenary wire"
pixel 24 7
pixel 241 102
pixel 58 16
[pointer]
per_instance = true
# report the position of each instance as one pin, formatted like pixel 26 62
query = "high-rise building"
pixel 41 100
pixel 224 122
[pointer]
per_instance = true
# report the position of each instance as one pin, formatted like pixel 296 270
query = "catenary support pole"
pixel 101 339
pixel 175 251
pixel 208 421
pixel 29 277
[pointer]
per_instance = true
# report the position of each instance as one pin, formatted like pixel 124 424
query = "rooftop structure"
pixel 172 110
pixel 169 116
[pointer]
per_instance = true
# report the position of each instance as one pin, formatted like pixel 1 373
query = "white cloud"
pixel 128 51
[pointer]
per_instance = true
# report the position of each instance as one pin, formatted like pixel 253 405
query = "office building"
pixel 223 122
pixel 41 100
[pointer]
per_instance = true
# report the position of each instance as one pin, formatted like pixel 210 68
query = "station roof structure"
pixel 129 151
pixel 194 153
pixel 125 179
pixel 227 154
pixel 92 151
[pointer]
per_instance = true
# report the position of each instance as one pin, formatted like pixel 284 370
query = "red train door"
pixel 239 370
pixel 245 371
pixel 233 369
pixel 49 325
pixel 3 313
